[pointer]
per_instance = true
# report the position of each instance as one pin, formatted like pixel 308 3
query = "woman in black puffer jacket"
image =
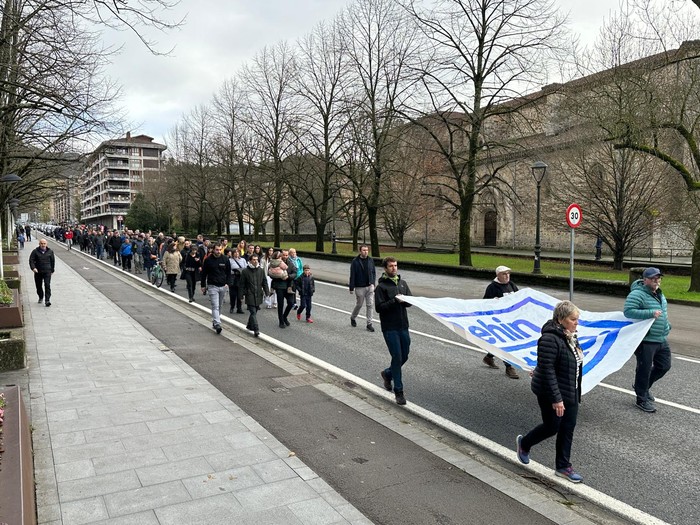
pixel 556 381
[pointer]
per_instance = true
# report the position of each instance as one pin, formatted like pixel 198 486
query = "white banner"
pixel 509 328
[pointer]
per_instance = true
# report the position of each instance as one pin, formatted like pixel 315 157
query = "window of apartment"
pixel 148 163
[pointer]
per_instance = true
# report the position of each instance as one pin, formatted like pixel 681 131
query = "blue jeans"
pixel 653 361
pixel 399 344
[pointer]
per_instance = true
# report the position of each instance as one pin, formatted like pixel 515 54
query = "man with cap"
pixel 499 287
pixel 647 301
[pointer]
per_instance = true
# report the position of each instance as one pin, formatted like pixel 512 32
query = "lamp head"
pixel 539 169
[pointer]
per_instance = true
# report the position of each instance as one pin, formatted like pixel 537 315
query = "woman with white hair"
pixel 556 381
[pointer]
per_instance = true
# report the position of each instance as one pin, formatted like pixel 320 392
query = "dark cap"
pixel 651 272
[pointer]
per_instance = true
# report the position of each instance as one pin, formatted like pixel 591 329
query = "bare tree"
pixel 324 120
pixel 649 103
pixel 483 55
pixel 269 82
pixel 381 48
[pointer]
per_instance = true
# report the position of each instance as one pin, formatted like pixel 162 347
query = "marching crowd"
pixel 272 278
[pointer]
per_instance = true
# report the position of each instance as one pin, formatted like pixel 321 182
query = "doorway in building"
pixel 490 228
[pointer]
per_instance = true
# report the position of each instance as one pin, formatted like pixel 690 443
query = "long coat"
pixel 253 285
pixel 171 262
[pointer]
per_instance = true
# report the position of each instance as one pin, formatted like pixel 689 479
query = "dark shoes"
pixel 48 303
pixel 489 361
pixel 387 381
pixel 218 328
pixel 400 399
pixel 230 310
pixel 370 328
pixel 239 311
pixel 353 323
pixel 286 322
pixel 523 456
pixel 41 300
pixel 510 372
pixel 646 406
pixel 256 333
pixel 282 325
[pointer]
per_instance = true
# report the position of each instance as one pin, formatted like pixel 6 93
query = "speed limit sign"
pixel 574 216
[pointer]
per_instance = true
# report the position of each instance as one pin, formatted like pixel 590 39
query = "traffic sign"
pixel 574 215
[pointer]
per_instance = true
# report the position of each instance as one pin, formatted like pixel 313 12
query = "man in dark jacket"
pixel 43 263
pixel 388 300
pixel 253 288
pixel 215 271
pixel 646 301
pixel 500 286
pixel 362 278
pixel 115 243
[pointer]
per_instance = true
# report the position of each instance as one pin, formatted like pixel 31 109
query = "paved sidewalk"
pixel 125 432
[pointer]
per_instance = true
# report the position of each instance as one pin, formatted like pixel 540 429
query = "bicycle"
pixel 157 274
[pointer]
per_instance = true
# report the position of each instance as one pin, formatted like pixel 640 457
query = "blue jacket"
pixel 641 304
pixel 359 278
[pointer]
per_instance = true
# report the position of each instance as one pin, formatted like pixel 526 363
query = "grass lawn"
pixel 674 287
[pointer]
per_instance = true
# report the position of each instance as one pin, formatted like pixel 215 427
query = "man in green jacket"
pixel 646 301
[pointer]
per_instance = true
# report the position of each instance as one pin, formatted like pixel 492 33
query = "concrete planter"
pixel 13 282
pixel 13 355
pixel 11 257
pixel 17 503
pixel 11 316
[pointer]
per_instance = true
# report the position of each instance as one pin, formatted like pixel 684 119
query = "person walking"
pixel 216 269
pixel 126 253
pixel 556 381
pixel 500 286
pixel 253 289
pixel 307 288
pixel 190 266
pixel 43 263
pixel 281 274
pixel 647 301
pixel 115 242
pixel 171 264
pixel 238 264
pixel 270 301
pixel 362 278
pixel 389 303
pixel 68 236
pixel 137 251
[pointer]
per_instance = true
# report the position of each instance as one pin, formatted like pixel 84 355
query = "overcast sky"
pixel 220 35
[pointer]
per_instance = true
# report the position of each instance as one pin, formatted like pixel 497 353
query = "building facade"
pixel 114 174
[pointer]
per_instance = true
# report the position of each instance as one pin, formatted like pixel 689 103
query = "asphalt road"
pixel 649 461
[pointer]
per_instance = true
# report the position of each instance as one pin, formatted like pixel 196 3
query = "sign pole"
pixel 571 268
pixel 573 219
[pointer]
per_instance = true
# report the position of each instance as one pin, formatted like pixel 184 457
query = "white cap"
pixel 502 269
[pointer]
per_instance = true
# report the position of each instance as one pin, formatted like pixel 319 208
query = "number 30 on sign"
pixel 574 215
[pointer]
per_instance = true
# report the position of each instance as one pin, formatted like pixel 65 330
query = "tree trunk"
pixel 373 234
pixel 320 236
pixel 465 243
pixel 618 259
pixel 695 265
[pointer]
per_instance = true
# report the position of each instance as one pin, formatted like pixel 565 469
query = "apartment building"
pixel 114 174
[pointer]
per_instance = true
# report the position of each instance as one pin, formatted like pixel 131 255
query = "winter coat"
pixel 498 289
pixel 171 262
pixel 359 277
pixel 392 313
pixel 215 271
pixel 307 285
pixel 641 303
pixel 554 376
pixel 252 287
pixel 43 262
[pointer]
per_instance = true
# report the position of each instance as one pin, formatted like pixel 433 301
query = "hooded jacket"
pixel 554 376
pixel 392 313
pixel 641 303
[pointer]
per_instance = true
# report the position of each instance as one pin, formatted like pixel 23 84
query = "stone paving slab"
pixel 127 433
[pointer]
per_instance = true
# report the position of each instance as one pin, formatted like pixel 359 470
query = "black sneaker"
pixel 41 300
pixel 400 399
pixel 523 456
pixel 286 322
pixel 646 406
pixel 352 321
pixel 370 328
pixel 387 381
pixel 256 333
pixel 218 328
pixel 282 325
pixel 48 303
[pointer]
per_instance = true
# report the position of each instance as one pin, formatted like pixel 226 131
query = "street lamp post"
pixel 11 208
pixel 10 178
pixel 539 170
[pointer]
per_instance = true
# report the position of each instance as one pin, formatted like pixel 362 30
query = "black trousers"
pixel 283 312
pixel 190 279
pixel 43 279
pixel 236 303
pixel 653 361
pixel 562 427
pixel 253 318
